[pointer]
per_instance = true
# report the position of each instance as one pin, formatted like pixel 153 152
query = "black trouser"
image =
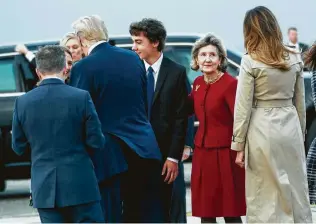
pixel 140 187
pixel 227 220
pixel 166 198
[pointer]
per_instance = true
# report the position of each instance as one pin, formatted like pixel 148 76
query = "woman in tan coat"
pixel 269 124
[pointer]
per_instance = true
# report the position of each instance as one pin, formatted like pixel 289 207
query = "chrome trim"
pixel 11 94
pixel 17 164
pixel 9 54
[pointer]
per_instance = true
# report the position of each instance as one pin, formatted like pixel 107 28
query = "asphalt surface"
pixel 14 202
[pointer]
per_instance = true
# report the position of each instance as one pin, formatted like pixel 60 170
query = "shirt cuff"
pixel 30 56
pixel 172 160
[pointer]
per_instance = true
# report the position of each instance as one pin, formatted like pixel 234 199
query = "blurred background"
pixel 25 21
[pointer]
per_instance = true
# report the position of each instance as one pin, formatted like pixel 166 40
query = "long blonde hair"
pixel 263 38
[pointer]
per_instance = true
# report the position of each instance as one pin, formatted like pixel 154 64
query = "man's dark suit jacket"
pixel 61 127
pixel 169 116
pixel 26 71
pixel 116 79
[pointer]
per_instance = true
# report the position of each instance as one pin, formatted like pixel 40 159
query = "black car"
pixel 13 84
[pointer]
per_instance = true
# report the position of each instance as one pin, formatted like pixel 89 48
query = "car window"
pixel 182 55
pixel 232 69
pixel 7 77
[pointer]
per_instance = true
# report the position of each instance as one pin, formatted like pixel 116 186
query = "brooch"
pixel 197 87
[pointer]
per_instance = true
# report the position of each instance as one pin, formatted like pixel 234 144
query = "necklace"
pixel 211 81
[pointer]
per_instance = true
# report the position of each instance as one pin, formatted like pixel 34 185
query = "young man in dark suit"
pixel 61 127
pixel 166 97
pixel 116 80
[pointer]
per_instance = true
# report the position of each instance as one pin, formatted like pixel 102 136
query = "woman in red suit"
pixel 218 184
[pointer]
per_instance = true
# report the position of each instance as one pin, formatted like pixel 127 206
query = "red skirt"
pixel 217 184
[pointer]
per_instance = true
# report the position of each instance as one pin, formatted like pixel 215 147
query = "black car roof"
pixel 124 39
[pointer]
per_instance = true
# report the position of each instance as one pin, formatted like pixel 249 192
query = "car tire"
pixel 311 134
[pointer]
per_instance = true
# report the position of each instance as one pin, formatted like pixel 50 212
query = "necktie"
pixel 150 88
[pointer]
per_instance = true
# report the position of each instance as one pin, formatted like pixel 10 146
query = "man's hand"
pixel 21 48
pixel 240 159
pixel 186 153
pixel 171 170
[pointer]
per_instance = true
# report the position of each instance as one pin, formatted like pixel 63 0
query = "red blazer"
pixel 213 106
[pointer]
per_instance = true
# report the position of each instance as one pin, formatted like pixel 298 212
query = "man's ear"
pixel 39 74
pixel 155 44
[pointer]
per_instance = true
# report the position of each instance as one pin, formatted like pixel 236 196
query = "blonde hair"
pixel 209 39
pixel 263 38
pixel 67 37
pixel 92 28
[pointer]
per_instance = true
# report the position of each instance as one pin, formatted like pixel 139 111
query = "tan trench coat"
pixel 269 125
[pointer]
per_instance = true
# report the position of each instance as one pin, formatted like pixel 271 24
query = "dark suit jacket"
pixel 189 140
pixel 169 116
pixel 26 71
pixel 59 123
pixel 116 80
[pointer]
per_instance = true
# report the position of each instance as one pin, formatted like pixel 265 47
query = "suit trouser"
pixel 141 189
pixel 166 198
pixel 178 202
pixel 111 202
pixel 83 213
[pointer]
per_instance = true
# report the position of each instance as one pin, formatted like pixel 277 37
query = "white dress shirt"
pixel 297 46
pixel 30 56
pixel 156 67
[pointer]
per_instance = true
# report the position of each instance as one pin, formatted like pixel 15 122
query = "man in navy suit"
pixel 60 126
pixel 116 80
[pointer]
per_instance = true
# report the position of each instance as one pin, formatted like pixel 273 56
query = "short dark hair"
pixel 153 29
pixel 51 59
pixel 292 28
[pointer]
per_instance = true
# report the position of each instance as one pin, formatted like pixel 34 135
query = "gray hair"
pixel 92 28
pixel 209 39
pixel 51 59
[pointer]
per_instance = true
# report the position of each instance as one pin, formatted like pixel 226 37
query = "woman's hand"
pixel 240 159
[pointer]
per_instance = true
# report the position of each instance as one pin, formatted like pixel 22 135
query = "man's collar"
pixel 94 45
pixel 292 44
pixel 51 81
pixel 156 65
pixel 52 77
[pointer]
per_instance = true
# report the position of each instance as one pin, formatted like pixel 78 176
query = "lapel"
pixel 163 71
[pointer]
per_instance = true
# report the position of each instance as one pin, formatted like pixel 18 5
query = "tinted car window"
pixel 232 69
pixel 7 77
pixel 182 55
